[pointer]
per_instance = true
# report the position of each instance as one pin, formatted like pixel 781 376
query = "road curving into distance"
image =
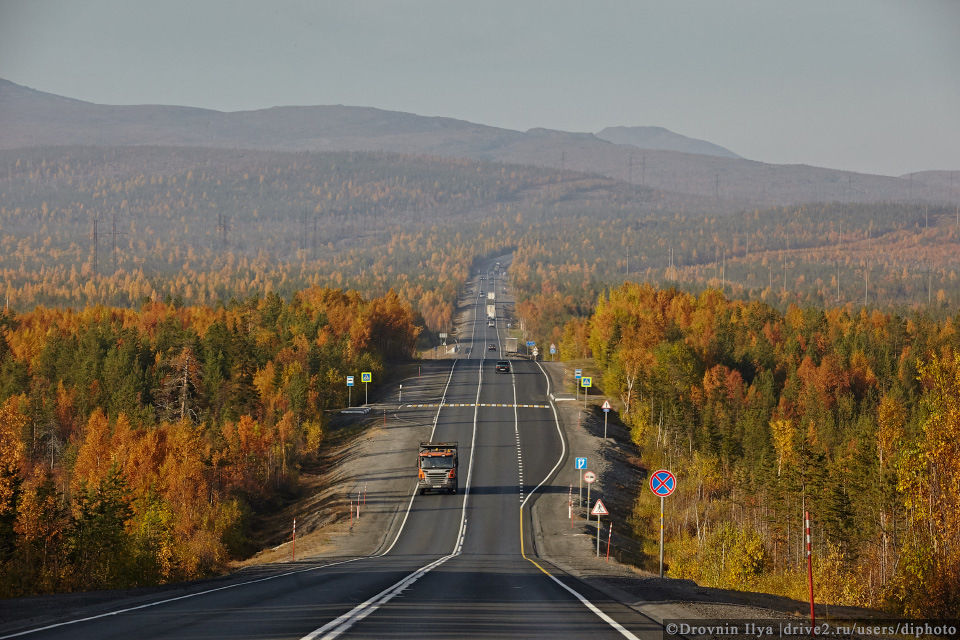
pixel 460 565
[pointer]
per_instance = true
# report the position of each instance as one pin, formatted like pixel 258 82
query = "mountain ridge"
pixel 35 118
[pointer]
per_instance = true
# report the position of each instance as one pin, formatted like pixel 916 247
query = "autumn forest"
pixel 177 323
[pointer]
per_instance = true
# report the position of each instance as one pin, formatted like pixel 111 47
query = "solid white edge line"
pixel 167 600
pixel 563 454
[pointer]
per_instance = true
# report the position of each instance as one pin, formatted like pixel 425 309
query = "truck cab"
pixel 437 467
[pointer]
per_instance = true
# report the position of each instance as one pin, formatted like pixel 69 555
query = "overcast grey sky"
pixel 865 85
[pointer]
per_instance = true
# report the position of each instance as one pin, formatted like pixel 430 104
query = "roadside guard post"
pixel 599 510
pixel 662 483
pixel 606 412
pixel 806 524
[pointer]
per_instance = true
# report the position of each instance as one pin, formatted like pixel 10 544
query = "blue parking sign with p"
pixel 581 463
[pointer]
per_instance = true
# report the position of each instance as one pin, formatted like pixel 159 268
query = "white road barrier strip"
pixel 485 404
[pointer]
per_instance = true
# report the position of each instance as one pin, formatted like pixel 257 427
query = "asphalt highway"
pixel 461 566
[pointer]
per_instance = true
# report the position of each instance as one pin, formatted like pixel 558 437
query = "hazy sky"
pixel 865 85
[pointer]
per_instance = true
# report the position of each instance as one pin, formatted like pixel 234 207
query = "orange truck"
pixel 437 466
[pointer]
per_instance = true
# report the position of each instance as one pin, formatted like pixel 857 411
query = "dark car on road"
pixel 503 366
pixel 491 347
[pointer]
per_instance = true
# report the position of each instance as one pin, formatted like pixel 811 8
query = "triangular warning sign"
pixel 599 509
pixel 606 405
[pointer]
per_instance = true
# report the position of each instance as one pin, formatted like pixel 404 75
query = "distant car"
pixel 491 347
pixel 503 366
pixel 483 277
pixel 491 323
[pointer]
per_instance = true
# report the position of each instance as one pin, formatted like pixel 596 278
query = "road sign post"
pixel 581 464
pixel 586 382
pixel 599 510
pixel 606 410
pixel 349 391
pixel 662 483
pixel 589 477
pixel 577 374
pixel 366 378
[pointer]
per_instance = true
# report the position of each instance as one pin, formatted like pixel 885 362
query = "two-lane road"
pixel 460 565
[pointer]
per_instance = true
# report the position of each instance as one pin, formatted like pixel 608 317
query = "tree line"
pixel 137 445
pixel 764 414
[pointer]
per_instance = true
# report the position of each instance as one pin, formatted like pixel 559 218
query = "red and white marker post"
pixel 806 519
pixel 294 539
pixel 609 535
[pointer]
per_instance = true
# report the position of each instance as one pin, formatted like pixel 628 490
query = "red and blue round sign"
pixel 662 483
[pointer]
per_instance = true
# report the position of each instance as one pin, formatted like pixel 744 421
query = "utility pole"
pixel 838 281
pixel 865 280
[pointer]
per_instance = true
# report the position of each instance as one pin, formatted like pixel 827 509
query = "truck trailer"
pixel 510 345
pixel 437 467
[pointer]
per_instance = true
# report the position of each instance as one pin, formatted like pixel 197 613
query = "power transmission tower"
pixel 223 229
pixel 95 236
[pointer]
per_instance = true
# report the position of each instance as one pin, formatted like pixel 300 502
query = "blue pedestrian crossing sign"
pixel 366 376
pixel 581 463
pixel 586 381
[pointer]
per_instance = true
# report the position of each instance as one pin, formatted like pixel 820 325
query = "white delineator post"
pixel 806 518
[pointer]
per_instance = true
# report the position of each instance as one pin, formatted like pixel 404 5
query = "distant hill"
pixel 664 140
pixel 669 162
